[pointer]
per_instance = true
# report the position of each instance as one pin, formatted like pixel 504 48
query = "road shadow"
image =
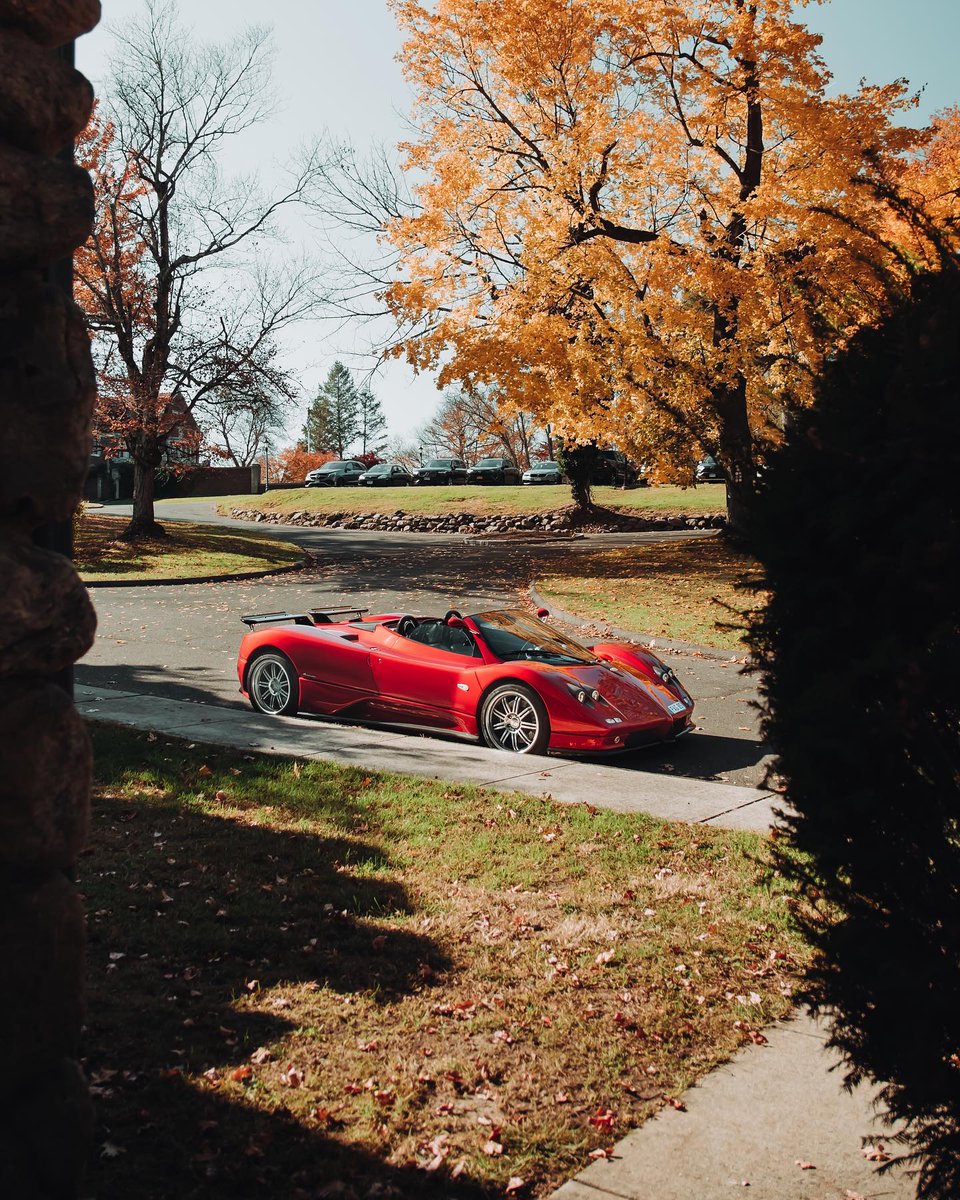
pixel 199 684
pixel 699 756
pixel 446 568
pixel 191 918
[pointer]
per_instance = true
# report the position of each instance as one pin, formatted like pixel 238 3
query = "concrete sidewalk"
pixel 747 1124
pixel 775 1120
pixel 603 784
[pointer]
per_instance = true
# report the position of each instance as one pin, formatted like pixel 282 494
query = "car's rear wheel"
pixel 514 718
pixel 272 685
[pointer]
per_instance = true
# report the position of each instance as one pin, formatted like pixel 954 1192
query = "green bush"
pixel 857 529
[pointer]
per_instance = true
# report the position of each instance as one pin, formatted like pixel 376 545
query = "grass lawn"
pixel 303 975
pixel 187 552
pixel 670 589
pixel 481 501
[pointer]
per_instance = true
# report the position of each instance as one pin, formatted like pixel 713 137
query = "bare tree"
pixel 473 422
pixel 174 281
pixel 240 417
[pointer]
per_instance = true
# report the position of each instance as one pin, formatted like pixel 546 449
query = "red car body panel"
pixel 363 669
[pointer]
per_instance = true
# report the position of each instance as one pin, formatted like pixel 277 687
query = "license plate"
pixel 677 706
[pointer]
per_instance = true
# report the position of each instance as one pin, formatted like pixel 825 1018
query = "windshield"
pixel 489 462
pixel 380 469
pixel 512 634
pixel 333 466
pixel 440 463
pixel 545 466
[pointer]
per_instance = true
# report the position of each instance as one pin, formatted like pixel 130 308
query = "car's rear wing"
pixel 313 616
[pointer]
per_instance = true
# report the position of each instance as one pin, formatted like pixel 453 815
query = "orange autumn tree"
pixel 291 464
pixel 926 190
pixel 114 289
pixel 644 221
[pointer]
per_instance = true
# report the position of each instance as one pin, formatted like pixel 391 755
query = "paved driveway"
pixel 181 641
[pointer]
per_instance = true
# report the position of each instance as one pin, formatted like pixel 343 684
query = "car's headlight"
pixel 584 694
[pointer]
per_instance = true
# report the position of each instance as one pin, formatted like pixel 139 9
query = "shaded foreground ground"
pixel 305 976
pixel 187 552
pixel 690 591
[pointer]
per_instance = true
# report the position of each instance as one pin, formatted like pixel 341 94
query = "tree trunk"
pixel 581 491
pixel 578 464
pixel 46 401
pixel 147 457
pixel 736 452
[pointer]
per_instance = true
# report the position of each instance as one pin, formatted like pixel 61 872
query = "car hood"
pixel 634 699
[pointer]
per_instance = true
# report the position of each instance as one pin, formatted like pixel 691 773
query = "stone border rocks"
pixel 560 521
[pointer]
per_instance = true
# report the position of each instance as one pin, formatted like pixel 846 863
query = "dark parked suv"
pixel 494 470
pixel 337 473
pixel 614 469
pixel 709 471
pixel 443 470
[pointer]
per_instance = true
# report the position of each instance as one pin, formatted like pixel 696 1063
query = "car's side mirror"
pixel 543 613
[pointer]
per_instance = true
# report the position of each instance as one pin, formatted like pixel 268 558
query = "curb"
pixel 632 635
pixel 129 583
pixel 519 535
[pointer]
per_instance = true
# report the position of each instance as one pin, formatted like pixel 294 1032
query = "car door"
pixel 425 685
pixel 335 669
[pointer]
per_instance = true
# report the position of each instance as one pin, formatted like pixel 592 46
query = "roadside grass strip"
pixel 685 590
pixel 188 551
pixel 479 501
pixel 304 976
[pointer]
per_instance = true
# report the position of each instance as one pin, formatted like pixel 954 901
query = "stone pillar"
pixel 46 620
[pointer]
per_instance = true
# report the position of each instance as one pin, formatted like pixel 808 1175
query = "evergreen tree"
pixel 317 436
pixel 333 417
pixel 371 423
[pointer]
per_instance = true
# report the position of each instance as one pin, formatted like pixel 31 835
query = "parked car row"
pixel 612 468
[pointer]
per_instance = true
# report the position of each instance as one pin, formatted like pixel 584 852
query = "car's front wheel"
pixel 514 718
pixel 272 685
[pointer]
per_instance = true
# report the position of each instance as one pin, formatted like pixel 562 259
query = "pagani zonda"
pixel 505 677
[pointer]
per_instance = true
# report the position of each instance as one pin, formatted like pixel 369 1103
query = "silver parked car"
pixel 338 473
pixel 543 472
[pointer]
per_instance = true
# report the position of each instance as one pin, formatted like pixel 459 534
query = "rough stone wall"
pixel 46 621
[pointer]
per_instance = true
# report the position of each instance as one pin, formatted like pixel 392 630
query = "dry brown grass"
pixel 188 551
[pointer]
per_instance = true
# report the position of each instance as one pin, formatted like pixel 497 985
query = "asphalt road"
pixel 181 641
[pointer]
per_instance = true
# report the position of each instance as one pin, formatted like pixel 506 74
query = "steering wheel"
pixel 451 612
pixel 406 626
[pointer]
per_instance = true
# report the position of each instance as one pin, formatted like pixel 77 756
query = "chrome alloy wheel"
pixel 270 687
pixel 511 722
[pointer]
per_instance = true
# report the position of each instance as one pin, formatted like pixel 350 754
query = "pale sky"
pixel 335 70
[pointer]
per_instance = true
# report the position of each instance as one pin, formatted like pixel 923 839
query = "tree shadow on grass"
pixel 192 919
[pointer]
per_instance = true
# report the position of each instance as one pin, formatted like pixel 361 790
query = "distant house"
pixel 110 476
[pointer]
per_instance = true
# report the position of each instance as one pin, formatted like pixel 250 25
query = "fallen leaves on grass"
pixel 427 1002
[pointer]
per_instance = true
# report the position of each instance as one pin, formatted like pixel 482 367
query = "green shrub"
pixel 857 529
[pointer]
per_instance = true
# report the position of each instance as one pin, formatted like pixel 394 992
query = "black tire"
pixel 514 718
pixel 272 684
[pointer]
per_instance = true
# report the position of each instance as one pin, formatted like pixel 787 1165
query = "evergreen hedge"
pixel 857 529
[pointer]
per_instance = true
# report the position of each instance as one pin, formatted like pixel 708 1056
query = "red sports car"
pixel 504 676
